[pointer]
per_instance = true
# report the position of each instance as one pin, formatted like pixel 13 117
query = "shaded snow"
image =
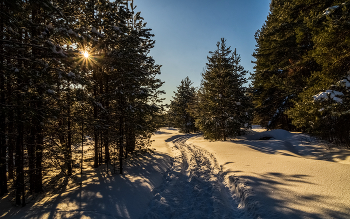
pixel 332 94
pixel 286 177
pixel 345 82
pixel 193 188
pixel 330 10
pixel 289 176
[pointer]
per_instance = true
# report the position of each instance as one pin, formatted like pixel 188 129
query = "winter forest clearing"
pixel 81 111
pixel 289 176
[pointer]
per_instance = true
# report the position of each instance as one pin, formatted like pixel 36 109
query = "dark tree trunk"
pixel 121 134
pixel 106 146
pixel 38 119
pixel 69 143
pixel 121 144
pixel 39 145
pixel 95 130
pixel 3 177
pixel 19 154
pixel 11 144
pixel 31 156
pixel 130 139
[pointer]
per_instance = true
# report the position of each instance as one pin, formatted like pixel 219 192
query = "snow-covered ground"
pixel 288 176
pixel 193 187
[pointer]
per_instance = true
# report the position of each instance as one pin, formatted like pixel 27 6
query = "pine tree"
pixel 224 107
pixel 327 118
pixel 50 96
pixel 179 107
pixel 283 64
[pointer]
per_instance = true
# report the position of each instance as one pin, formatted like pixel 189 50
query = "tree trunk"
pixel 39 144
pixel 19 154
pixel 130 139
pixel 11 144
pixel 31 156
pixel 121 145
pixel 121 134
pixel 95 130
pixel 39 138
pixel 69 142
pixel 3 177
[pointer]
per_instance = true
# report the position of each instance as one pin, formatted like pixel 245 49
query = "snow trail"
pixel 193 187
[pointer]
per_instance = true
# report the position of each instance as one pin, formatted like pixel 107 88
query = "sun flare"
pixel 86 54
pixel 87 57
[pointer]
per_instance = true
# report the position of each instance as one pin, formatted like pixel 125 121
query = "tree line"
pixel 302 72
pixel 301 79
pixel 52 96
pixel 221 107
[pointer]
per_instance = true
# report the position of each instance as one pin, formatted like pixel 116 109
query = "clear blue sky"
pixel 186 30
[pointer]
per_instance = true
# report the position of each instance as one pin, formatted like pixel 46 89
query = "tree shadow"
pixel 162 133
pixel 182 137
pixel 102 194
pixel 259 195
pixel 298 145
pixel 270 146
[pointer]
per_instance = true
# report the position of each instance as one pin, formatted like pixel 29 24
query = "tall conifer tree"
pixel 283 64
pixel 179 107
pixel 224 108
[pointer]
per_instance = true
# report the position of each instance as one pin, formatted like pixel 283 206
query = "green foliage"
pixel 223 107
pixel 326 113
pixel 179 107
pixel 51 96
pixel 283 63
pixel 302 50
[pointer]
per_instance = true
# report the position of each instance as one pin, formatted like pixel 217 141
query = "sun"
pixel 86 54
pixel 86 57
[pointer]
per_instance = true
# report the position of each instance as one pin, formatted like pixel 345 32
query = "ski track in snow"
pixel 193 187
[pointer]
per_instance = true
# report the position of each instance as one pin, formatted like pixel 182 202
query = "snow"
pixel 50 91
pixel 71 74
pixel 289 176
pixel 193 187
pixel 238 103
pixel 102 194
pixel 330 10
pixel 329 94
pixel 345 82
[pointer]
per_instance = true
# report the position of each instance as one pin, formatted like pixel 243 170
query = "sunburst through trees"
pixel 73 69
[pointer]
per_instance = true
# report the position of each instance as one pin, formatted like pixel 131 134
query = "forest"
pixel 301 78
pixel 70 71
pixel 75 71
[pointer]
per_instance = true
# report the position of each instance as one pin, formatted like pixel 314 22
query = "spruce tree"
pixel 283 61
pixel 179 107
pixel 326 117
pixel 51 97
pixel 223 105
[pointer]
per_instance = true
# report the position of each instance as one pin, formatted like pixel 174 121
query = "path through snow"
pixel 193 187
